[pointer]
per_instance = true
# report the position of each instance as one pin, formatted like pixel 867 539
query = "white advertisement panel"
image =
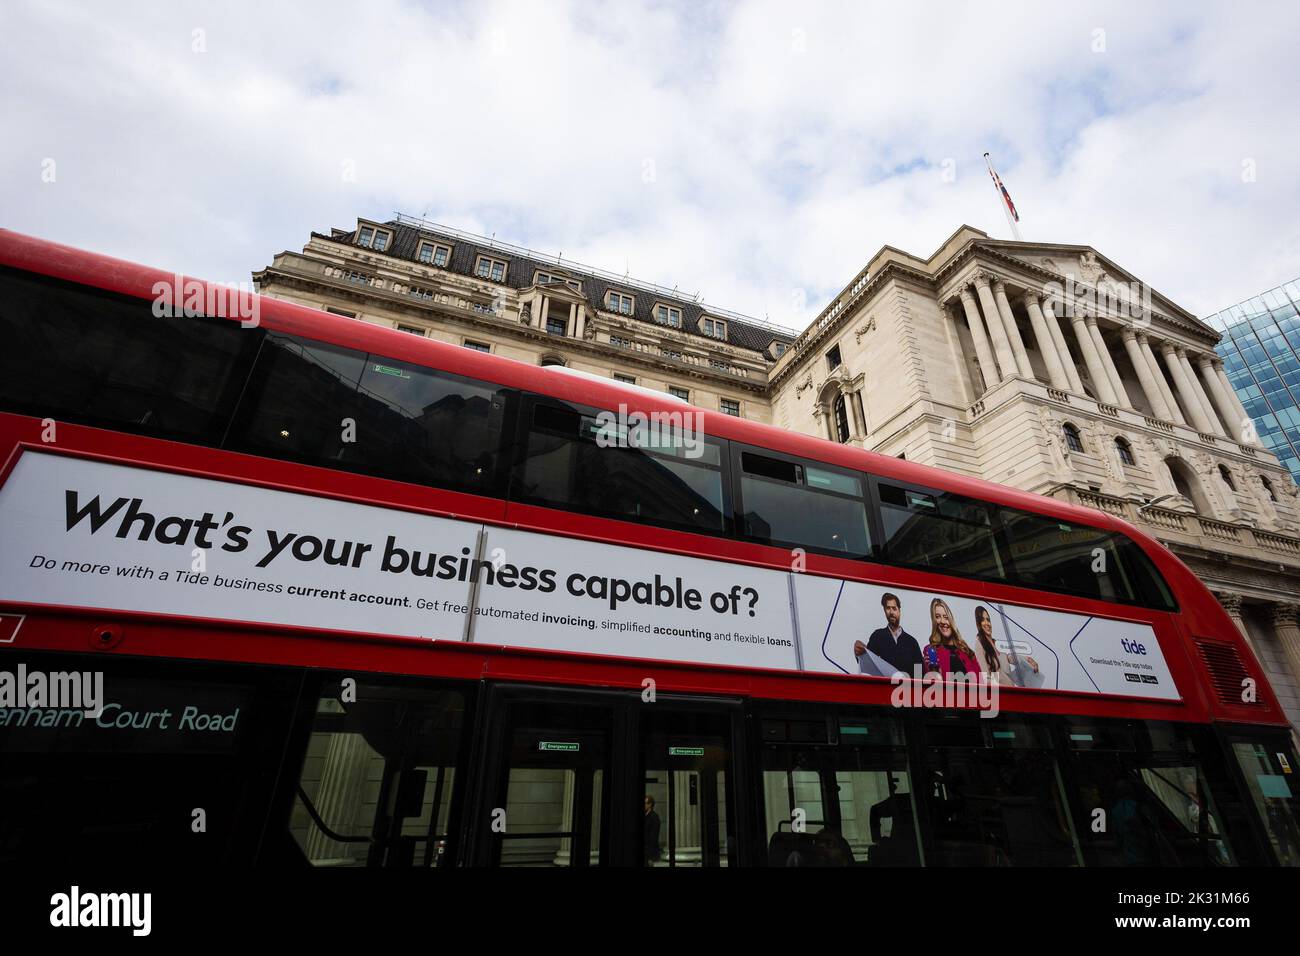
pixel 83 533
pixel 633 603
pixel 91 534
pixel 876 630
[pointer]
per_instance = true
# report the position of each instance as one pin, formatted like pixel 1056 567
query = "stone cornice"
pixel 754 382
pixel 803 347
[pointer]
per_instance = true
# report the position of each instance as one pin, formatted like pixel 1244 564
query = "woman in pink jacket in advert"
pixel 947 653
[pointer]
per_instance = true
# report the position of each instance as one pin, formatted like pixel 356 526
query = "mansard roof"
pixel 522 265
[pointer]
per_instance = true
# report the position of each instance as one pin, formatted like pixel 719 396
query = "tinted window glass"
pixel 572 459
pixel 172 736
pixel 837 791
pixel 379 776
pixel 1152 590
pixel 326 405
pixel 943 531
pixel 83 355
pixel 1158 803
pixel 994 794
pixel 1068 557
pixel 804 505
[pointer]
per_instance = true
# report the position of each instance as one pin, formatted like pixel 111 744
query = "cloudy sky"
pixel 756 153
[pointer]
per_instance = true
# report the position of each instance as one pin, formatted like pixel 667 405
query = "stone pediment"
pixel 1088 266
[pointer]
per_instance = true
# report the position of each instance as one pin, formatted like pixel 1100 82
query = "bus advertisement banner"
pixel 90 534
pixel 854 628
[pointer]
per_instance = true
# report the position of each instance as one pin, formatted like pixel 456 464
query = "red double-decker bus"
pixel 300 590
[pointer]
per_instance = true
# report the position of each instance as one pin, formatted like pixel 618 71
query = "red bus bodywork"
pixel 1199 617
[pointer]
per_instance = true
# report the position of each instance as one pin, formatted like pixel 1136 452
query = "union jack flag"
pixel 1006 196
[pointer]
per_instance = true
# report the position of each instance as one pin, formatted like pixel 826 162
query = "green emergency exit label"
pixel 563 746
pixel 686 751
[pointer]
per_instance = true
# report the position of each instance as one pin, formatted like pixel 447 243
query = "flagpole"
pixel 1002 200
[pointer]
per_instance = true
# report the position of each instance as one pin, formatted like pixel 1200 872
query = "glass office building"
pixel 1260 349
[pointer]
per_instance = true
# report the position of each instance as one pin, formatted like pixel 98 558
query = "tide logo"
pixel 1133 647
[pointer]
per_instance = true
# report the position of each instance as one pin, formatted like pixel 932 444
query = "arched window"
pixel 1125 452
pixel 1073 440
pixel 1227 477
pixel 1188 485
pixel 551 360
pixel 841 419
pixel 1268 488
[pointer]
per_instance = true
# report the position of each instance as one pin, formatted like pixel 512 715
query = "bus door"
pixel 837 788
pixel 1143 796
pixel 1266 761
pixel 600 778
pixel 688 817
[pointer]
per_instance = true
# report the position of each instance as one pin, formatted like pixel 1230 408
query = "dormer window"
pixel 618 302
pixel 778 349
pixel 714 327
pixel 488 268
pixel 434 254
pixel 668 315
pixel 547 278
pixel 371 238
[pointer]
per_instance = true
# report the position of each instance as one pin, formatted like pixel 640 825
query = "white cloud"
pixel 788 141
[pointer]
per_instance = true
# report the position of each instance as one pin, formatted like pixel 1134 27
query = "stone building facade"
pixel 1051 368
pixel 450 285
pixel 1039 365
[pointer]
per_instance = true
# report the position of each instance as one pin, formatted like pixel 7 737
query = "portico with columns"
pixel 1050 368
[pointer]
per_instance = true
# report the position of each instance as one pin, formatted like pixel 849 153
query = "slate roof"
pixel 520 270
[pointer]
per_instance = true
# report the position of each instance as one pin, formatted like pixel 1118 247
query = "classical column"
pixel 1149 388
pixel 1175 413
pixel 1201 395
pixel 339 796
pixel 1046 345
pixel 1243 415
pixel 1231 603
pixel 1288 634
pixel 1210 383
pixel 1067 360
pixel 1108 363
pixel 1185 392
pixel 856 424
pixel 998 332
pixel 685 822
pixel 1100 380
pixel 988 367
pixel 564 846
pixel 823 417
pixel 1013 330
